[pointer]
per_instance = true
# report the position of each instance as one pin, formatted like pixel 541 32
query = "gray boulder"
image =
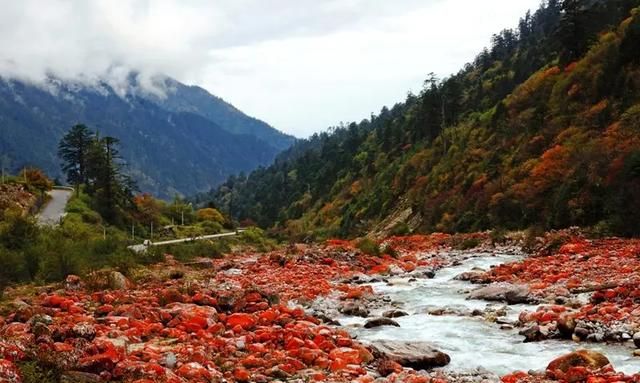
pixel 415 355
pixel 377 322
pixel 504 292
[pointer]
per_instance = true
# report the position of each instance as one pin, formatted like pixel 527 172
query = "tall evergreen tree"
pixel 73 150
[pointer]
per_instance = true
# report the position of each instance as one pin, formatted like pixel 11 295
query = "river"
pixel 472 342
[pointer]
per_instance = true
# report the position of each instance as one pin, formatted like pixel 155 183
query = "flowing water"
pixel 472 342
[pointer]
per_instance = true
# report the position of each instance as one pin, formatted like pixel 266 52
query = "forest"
pixel 539 130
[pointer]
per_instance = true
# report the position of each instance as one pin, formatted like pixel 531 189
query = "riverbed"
pixel 471 342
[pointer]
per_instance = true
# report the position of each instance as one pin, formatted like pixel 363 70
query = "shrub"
pixel 211 227
pixel 17 230
pixel 255 236
pixel 12 269
pixel 389 250
pixel 468 243
pixel 498 236
pixel 401 228
pixel 187 251
pixel 34 372
pixel 368 246
pixel 210 214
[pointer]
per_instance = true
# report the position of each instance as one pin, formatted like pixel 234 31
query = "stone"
pixel 533 333
pixel 473 276
pixel 387 367
pixel 505 292
pixel 84 330
pixel 581 333
pixel 117 281
pixel 566 325
pixel 591 360
pixel 377 322
pixel 394 314
pixel 415 355
pixel 354 309
pixel 636 339
pixel 395 270
pixel 72 282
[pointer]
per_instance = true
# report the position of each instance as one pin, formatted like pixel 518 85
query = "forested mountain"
pixel 184 140
pixel 542 128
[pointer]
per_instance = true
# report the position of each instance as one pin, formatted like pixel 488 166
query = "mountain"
pixel 174 138
pixel 542 129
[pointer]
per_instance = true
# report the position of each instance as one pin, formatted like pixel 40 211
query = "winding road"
pixel 54 209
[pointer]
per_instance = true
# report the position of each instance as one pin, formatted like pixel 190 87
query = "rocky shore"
pixel 272 317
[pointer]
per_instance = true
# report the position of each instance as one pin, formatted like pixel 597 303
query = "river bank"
pixel 274 317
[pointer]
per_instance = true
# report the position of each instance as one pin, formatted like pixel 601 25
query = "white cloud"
pixel 301 65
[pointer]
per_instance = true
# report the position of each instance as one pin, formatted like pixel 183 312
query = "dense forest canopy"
pixel 540 129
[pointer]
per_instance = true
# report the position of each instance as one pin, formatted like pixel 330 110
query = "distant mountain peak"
pixel 175 137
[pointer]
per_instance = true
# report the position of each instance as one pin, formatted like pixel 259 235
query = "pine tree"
pixel 73 150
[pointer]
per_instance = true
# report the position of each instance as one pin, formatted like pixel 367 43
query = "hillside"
pixel 539 130
pixel 186 131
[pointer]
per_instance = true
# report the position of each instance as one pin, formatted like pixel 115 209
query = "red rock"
pixel 245 321
pixel 591 360
pixel 241 374
pixel 9 372
pixel 194 372
pixel 11 352
pixel 387 367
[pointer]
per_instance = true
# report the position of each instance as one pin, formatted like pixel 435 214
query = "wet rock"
pixel 591 360
pixel 506 292
pixel 535 333
pixel 395 270
pixel 387 367
pixel 636 339
pixel 566 325
pixel 473 276
pixel 354 309
pixel 505 321
pixel 394 314
pixel 377 322
pixel 581 333
pixel 423 272
pixel 595 337
pixel 416 355
pixel 477 313
pixel 327 319
pixel 456 310
pixel 361 278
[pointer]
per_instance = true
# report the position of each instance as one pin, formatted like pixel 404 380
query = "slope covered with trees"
pixel 542 129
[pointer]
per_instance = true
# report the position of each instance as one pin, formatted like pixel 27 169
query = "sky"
pixel 300 65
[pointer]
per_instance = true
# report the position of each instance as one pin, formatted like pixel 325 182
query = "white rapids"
pixel 472 342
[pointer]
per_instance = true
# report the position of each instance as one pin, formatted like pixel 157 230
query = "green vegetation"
pixel 102 218
pixel 368 246
pixel 540 129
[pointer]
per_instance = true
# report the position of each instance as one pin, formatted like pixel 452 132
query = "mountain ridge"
pixel 539 130
pixel 161 144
